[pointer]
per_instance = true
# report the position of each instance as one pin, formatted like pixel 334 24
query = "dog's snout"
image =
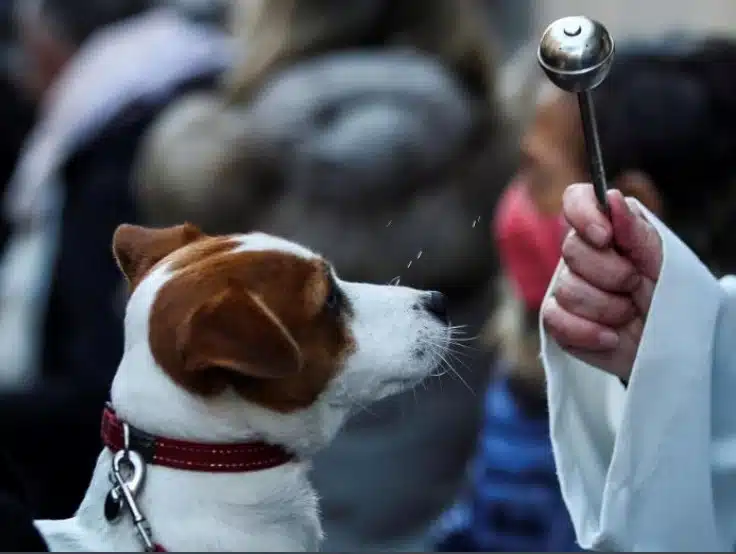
pixel 436 304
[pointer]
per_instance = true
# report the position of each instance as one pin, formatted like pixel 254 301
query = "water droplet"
pixel 419 254
pixel 389 223
pixel 475 222
pixel 408 265
pixel 395 282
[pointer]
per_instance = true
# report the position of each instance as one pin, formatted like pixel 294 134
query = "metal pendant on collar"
pixel 127 476
pixel 128 469
pixel 113 505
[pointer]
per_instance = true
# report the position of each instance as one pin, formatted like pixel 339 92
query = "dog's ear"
pixel 237 331
pixel 137 249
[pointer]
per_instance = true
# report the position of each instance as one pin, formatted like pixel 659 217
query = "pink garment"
pixel 528 242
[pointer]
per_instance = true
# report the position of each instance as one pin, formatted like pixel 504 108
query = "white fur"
pixel 398 343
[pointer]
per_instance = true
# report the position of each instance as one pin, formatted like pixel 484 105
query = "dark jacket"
pixel 513 501
pixel 17 530
pixel 386 164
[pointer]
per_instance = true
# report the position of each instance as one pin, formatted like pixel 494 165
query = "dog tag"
pixel 113 505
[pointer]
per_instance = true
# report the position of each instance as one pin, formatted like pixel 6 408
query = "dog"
pixel 243 356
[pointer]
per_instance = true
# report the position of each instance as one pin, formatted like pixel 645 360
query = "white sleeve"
pixel 653 467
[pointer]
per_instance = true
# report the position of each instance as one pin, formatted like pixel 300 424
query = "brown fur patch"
pixel 200 251
pixel 252 320
pixel 137 249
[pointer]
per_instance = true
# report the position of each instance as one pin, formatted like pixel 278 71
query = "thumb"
pixel 636 239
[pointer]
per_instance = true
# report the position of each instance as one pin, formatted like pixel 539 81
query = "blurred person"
pixel 665 114
pixel 99 70
pixel 371 131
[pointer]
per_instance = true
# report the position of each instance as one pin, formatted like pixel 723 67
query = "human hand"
pixel 602 296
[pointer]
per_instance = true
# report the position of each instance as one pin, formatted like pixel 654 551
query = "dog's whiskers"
pixel 457 358
pixel 448 358
pixel 452 347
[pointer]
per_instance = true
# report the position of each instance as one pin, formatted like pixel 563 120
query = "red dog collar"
pixel 192 456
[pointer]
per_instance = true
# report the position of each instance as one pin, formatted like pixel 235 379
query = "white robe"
pixel 653 467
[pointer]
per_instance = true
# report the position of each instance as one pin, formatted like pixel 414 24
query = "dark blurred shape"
pixel 17 531
pixel 17 115
pixel 211 12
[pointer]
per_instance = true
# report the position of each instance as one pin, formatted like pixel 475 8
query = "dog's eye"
pixel 333 300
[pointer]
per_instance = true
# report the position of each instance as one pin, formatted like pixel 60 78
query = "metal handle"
pixel 593 147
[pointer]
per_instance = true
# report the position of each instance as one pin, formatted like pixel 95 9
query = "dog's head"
pixel 233 336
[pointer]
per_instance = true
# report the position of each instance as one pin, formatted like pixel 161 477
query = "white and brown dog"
pixel 243 356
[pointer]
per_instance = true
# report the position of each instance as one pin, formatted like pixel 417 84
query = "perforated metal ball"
pixel 576 53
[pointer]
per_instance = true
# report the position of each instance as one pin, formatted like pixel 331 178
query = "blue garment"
pixel 513 502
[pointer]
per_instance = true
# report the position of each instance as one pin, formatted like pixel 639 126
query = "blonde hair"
pixel 277 33
pixel 514 333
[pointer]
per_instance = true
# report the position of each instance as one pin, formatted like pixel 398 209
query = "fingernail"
pixel 630 206
pixel 597 234
pixel 608 339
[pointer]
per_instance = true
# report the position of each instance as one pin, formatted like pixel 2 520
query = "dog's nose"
pixel 436 304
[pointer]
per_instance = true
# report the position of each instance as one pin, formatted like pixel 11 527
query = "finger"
pixel 580 298
pixel 618 362
pixel 581 210
pixel 603 269
pixel 635 237
pixel 572 331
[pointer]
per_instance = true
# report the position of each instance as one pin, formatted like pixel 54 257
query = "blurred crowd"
pixel 406 140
